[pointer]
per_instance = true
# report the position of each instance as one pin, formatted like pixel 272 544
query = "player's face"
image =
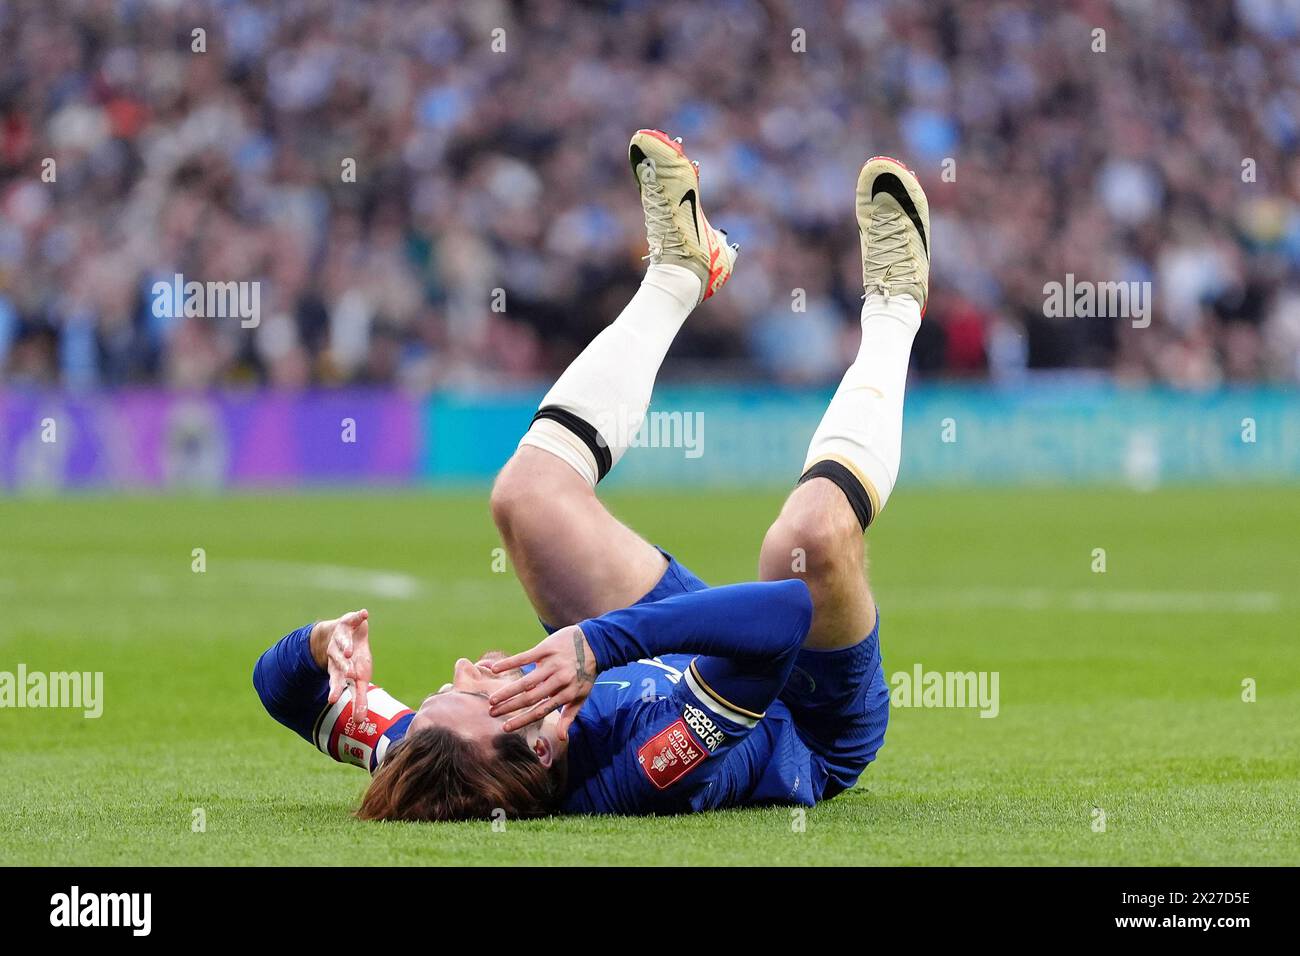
pixel 462 706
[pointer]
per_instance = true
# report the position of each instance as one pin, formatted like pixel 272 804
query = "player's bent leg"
pixel 836 693
pixel 817 538
pixel 853 458
pixel 574 559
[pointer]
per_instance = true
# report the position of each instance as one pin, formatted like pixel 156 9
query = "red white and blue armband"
pixel 364 744
pixel 294 689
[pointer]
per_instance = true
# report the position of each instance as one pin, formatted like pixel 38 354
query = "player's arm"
pixel 746 636
pixel 316 681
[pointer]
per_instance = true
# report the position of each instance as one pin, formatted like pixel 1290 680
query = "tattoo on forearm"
pixel 584 675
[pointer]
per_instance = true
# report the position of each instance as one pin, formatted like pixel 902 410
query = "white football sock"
pixel 590 416
pixel 860 439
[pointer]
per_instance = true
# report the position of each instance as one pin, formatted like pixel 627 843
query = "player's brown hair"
pixel 435 774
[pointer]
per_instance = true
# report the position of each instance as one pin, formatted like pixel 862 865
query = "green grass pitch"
pixel 1120 691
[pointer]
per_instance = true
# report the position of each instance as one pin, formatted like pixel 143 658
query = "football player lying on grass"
pixel 657 693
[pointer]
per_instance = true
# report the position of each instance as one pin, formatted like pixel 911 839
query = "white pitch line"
pixel 335 577
pixel 1085 601
pixel 401 586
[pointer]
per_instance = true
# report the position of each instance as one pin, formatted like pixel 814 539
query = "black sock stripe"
pixel 590 437
pixel 848 483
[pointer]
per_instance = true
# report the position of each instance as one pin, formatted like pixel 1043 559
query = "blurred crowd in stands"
pixel 437 193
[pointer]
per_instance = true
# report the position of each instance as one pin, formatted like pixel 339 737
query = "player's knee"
pixel 512 496
pixel 810 543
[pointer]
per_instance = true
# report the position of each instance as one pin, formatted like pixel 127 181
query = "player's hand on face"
pixel 348 660
pixel 563 677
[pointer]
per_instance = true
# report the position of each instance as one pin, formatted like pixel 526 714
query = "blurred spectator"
pixel 492 226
